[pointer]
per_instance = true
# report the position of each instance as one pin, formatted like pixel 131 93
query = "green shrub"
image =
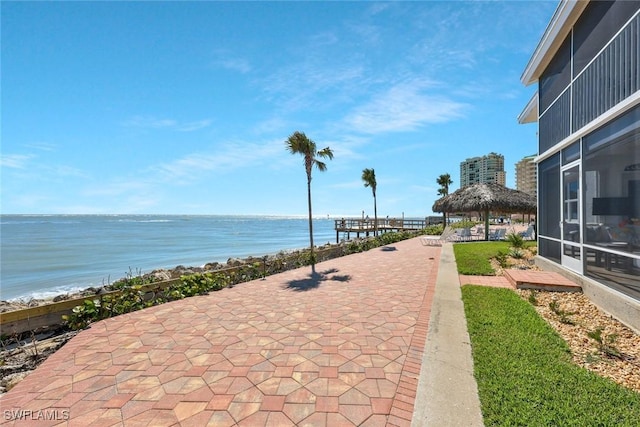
pixel 463 224
pixel 562 314
pixel 433 230
pixel 533 297
pixel 131 279
pixel 82 315
pixel 606 343
pixel 516 253
pixel 515 240
pixel 501 257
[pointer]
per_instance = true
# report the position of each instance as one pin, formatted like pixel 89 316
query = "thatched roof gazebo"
pixel 486 197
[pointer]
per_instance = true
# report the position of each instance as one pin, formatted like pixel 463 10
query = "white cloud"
pixel 117 188
pixel 349 184
pixel 346 148
pixel 42 146
pixel 274 124
pixel 235 64
pixel 311 83
pixel 191 126
pixel 64 171
pixel 27 202
pixel 404 107
pixel 130 196
pixel 377 8
pixel 192 167
pixel 324 39
pixel 15 161
pixel 151 122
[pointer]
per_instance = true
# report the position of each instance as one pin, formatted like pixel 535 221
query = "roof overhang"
pixel 530 112
pixel 565 16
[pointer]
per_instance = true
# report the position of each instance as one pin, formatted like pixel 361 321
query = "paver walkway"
pixel 491 281
pixel 524 279
pixel 340 348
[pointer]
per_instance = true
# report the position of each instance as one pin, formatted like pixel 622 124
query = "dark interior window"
pixel 549 197
pixel 596 27
pixel 556 77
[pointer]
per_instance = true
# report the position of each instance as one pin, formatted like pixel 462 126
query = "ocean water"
pixel 45 255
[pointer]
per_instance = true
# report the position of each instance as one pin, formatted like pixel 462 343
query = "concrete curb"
pixel 447 393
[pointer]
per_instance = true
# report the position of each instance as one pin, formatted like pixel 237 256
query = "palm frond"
pixel 321 166
pixel 325 153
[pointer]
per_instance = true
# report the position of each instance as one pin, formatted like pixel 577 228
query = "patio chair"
pixel 528 234
pixel 465 234
pixel 448 235
pixel 499 234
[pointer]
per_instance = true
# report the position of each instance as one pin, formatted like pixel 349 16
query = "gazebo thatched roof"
pixel 486 197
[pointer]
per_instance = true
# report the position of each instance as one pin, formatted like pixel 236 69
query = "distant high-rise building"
pixel 489 168
pixel 527 176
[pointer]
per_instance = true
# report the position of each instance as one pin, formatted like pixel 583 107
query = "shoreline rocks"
pixel 157 275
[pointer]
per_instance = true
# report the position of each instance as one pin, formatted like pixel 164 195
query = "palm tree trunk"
pixel 375 217
pixel 313 260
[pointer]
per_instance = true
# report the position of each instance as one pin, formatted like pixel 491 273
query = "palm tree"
pixel 444 181
pixel 369 178
pixel 298 143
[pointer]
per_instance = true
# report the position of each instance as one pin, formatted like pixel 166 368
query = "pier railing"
pixel 355 224
pixel 368 225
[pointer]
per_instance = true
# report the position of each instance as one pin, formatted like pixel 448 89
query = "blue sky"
pixel 184 107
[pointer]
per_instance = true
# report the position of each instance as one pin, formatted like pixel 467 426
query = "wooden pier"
pixel 367 226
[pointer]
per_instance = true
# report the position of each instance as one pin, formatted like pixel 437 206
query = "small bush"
pixel 533 297
pixel 563 315
pixel 501 257
pixel 463 224
pixel 133 279
pixel 515 240
pixel 606 343
pixel 82 315
pixel 433 230
pixel 516 253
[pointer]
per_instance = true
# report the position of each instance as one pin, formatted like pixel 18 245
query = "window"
pixel 571 153
pixel 556 76
pixel 612 180
pixel 611 172
pixel 549 197
pixel 596 27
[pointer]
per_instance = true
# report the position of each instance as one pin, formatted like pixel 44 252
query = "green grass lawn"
pixel 524 371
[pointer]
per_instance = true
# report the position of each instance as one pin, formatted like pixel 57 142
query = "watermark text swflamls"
pixel 51 414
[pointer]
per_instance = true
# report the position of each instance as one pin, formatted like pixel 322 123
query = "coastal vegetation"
pixel 433 230
pixel 299 143
pixel 369 178
pixel 524 371
pixel 136 293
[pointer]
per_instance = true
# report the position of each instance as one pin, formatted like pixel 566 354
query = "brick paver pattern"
pixel 342 348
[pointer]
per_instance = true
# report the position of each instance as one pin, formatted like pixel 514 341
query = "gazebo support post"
pixel 486 225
